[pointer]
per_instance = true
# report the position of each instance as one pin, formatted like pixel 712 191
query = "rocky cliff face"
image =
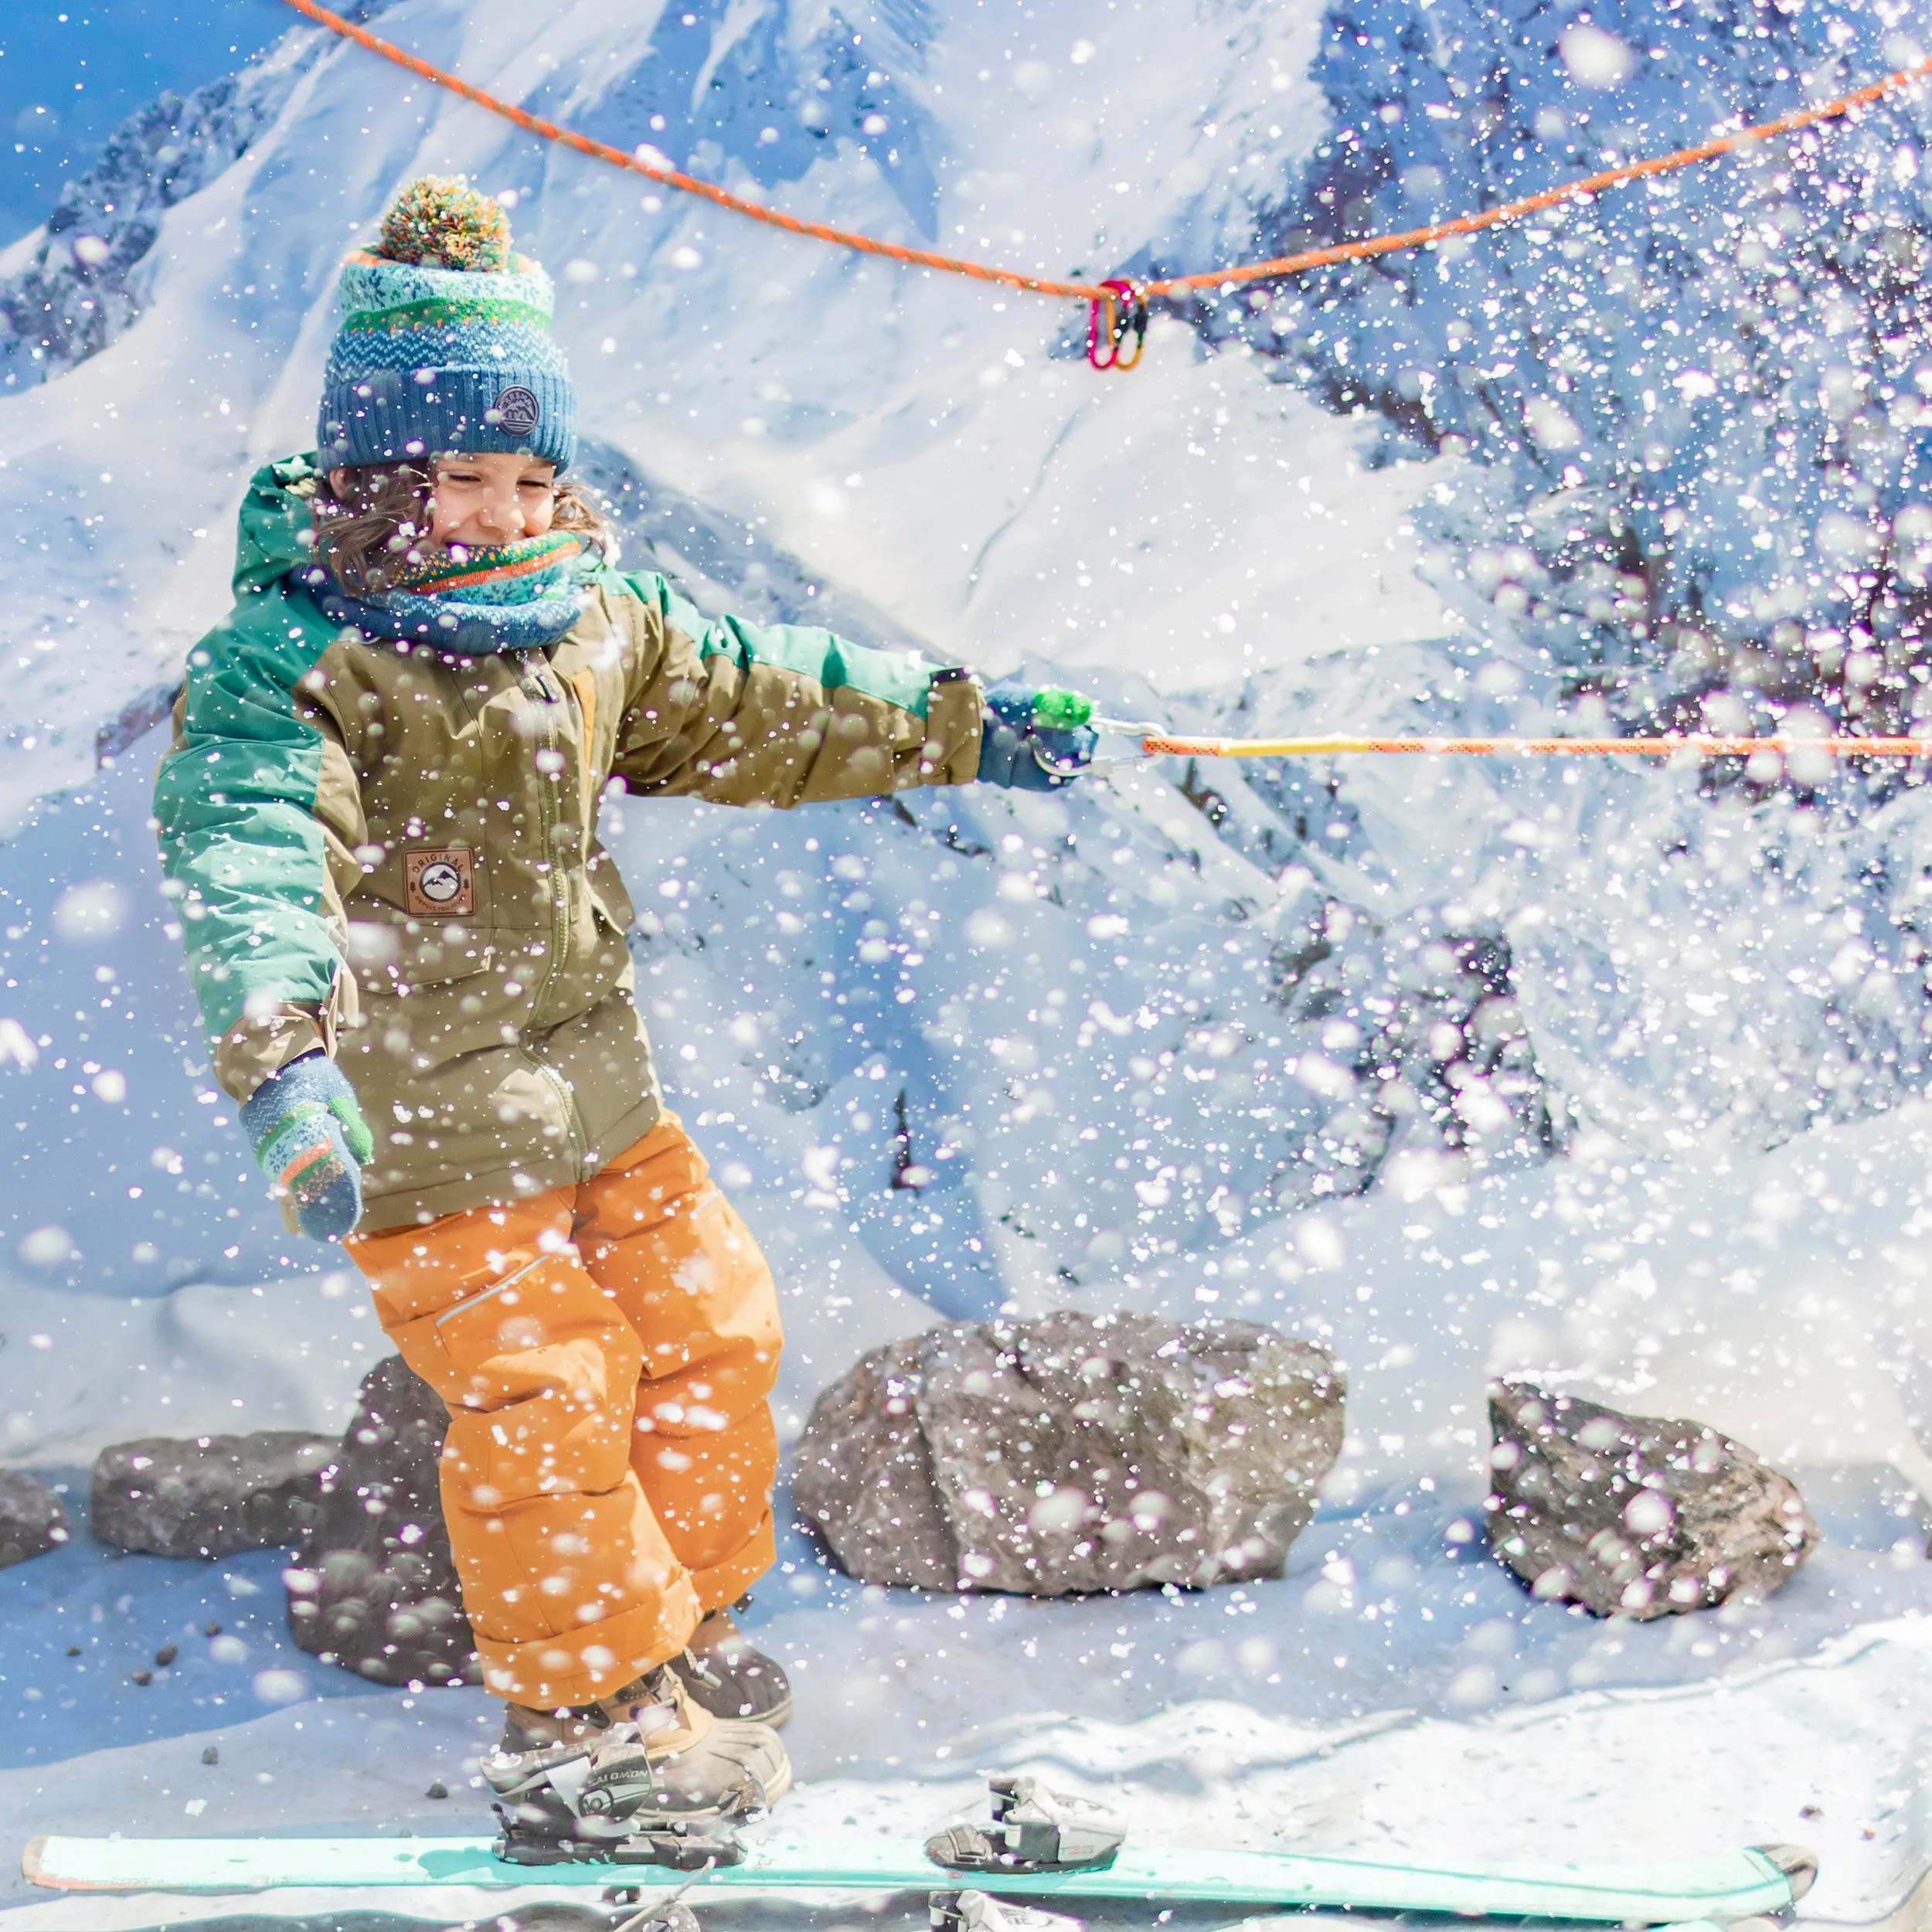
pixel 1704 392
pixel 81 285
pixel 786 83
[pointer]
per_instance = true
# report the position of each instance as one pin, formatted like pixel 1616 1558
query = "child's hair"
pixel 382 513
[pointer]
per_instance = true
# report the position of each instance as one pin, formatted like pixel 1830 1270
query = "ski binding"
pixel 1032 1829
pixel 981 1912
pixel 676 1845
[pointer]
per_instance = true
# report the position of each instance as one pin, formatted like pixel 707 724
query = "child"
pixel 379 814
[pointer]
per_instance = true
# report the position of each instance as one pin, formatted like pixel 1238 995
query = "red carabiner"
pixel 1126 315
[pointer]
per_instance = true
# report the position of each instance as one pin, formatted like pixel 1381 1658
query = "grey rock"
pixel 1070 1454
pixel 32 1520
pixel 1640 1516
pixel 375 1586
pixel 210 1497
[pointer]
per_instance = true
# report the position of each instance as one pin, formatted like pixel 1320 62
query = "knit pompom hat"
pixel 446 345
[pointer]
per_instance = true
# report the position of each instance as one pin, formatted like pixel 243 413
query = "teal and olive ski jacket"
pixel 392 853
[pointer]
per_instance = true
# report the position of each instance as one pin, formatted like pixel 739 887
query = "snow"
pixel 1458 1067
pixel 1275 1715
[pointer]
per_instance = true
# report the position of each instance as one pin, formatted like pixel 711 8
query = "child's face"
pixel 481 501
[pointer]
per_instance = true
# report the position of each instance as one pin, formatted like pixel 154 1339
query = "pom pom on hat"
pixel 445 342
pixel 440 221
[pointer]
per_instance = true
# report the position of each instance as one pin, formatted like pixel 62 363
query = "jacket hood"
pixel 275 534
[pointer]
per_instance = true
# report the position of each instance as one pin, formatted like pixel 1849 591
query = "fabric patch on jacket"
pixel 440 883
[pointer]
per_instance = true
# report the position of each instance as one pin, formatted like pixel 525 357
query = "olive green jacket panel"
pixel 499 1052
pixel 484 1007
pixel 782 716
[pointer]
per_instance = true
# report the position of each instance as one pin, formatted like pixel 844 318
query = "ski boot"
pixel 727 1677
pixel 644 1776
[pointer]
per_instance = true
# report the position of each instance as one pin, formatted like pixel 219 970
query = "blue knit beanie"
pixel 446 346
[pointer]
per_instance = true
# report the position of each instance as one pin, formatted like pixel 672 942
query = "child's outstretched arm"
pixel 746 714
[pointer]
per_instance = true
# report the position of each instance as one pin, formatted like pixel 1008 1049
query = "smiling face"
pixel 482 502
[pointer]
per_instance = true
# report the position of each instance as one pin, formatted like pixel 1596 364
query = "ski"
pixel 1030 1849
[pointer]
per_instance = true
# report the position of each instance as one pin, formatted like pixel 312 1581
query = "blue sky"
pixel 70 70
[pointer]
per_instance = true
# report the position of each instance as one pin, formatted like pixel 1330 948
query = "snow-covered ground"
pixel 1456 1069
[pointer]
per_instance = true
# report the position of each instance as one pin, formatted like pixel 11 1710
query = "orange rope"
pixel 1582 190
pixel 1363 250
pixel 688 184
pixel 1702 744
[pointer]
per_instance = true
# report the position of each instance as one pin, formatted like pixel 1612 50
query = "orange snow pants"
pixel 606 1352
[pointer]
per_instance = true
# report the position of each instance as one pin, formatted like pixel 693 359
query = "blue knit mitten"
pixel 1035 739
pixel 311 1138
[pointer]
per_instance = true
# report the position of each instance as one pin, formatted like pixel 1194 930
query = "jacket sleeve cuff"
pixel 246 1056
pixel 955 709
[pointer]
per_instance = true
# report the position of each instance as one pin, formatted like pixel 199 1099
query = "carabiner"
pixel 1126 315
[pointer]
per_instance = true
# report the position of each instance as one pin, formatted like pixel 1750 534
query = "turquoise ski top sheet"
pixel 1722 1886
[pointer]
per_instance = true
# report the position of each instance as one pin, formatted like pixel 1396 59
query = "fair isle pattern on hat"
pixel 431 359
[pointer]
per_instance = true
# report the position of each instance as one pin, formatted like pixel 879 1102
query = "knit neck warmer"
pixel 475 603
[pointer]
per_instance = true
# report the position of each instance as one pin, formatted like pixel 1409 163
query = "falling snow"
pixel 1604 1071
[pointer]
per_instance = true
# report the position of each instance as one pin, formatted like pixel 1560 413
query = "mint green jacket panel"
pixel 254 870
pixel 900 678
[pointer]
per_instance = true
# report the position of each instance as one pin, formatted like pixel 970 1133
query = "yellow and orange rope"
pixel 1107 300
pixel 1701 744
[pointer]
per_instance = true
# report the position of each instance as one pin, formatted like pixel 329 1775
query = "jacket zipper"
pixel 537 686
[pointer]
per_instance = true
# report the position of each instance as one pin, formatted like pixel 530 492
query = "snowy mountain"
pixel 81 284
pixel 1701 401
pixel 1594 1069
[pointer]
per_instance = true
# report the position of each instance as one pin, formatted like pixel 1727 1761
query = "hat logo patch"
pixel 516 410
